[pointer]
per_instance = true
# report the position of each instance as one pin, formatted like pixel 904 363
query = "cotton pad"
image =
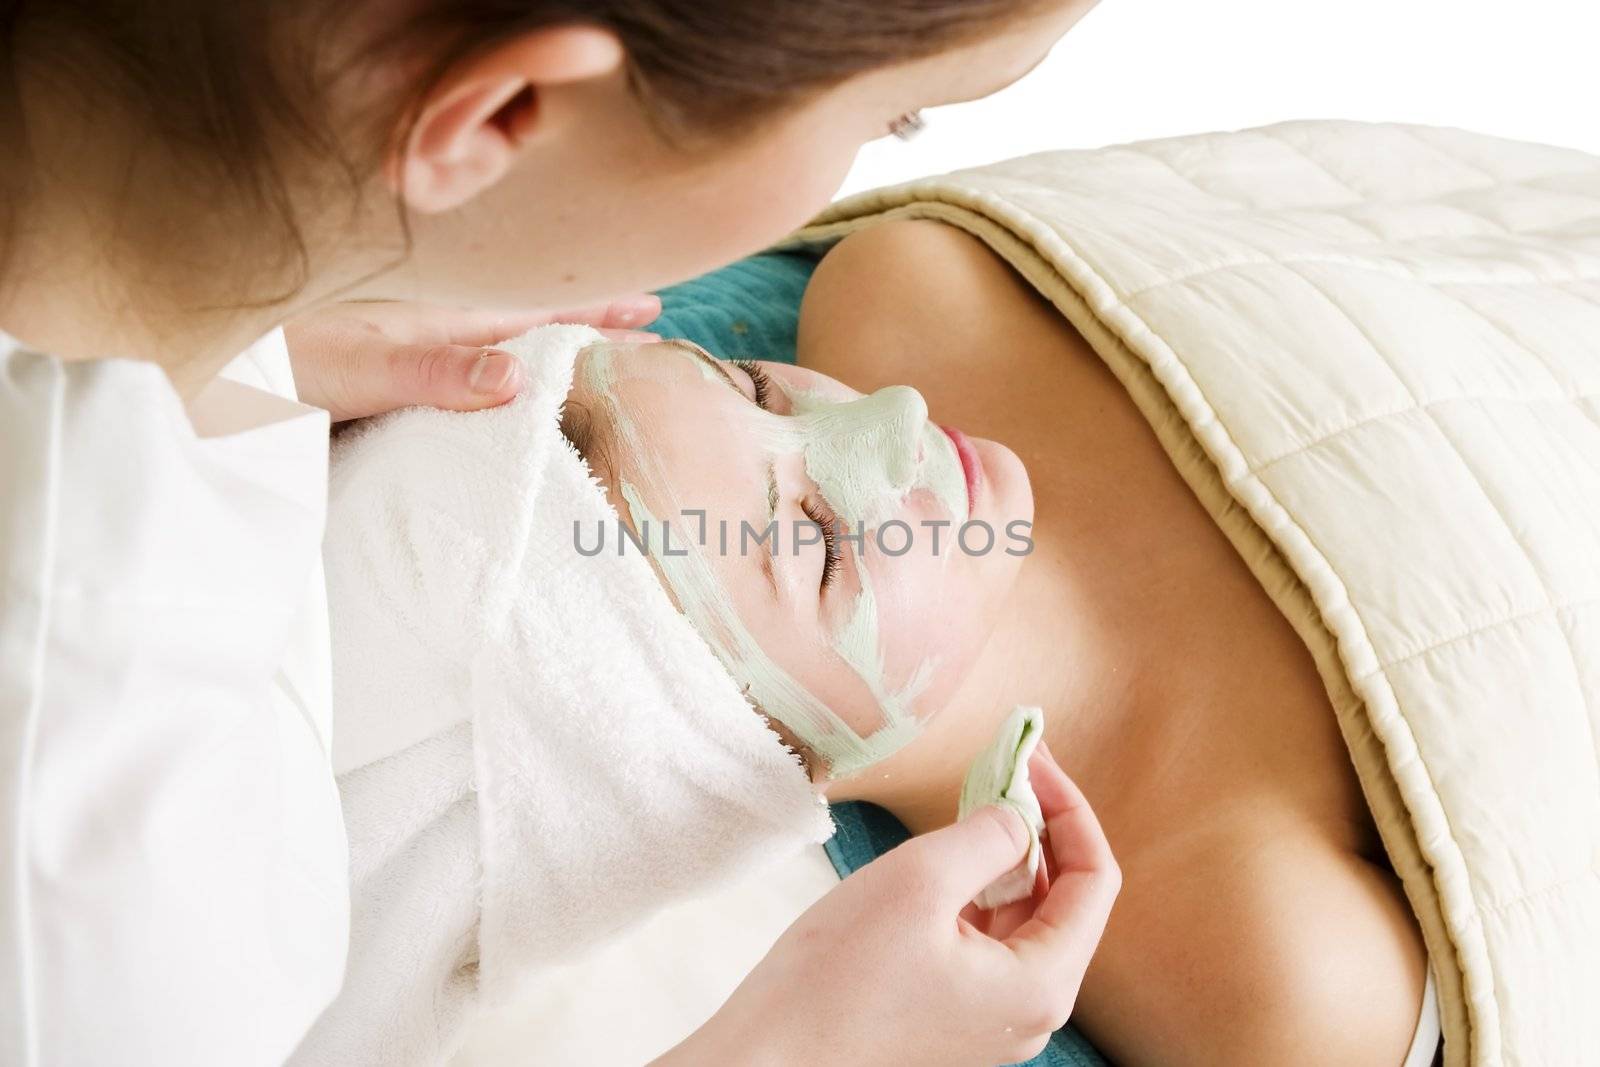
pixel 1000 776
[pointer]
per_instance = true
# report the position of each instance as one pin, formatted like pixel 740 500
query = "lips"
pixel 971 465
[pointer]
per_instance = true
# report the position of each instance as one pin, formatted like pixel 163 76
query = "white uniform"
pixel 173 872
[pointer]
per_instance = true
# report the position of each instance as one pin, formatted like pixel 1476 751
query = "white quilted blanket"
pixel 1374 351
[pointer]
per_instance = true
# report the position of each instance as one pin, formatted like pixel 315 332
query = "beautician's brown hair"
pixel 234 92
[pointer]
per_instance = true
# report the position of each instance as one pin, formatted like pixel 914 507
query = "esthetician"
pixel 192 196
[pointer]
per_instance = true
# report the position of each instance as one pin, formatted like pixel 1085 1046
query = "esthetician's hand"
pixel 360 359
pixel 890 968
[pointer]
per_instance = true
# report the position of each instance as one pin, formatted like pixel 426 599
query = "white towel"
pixel 536 748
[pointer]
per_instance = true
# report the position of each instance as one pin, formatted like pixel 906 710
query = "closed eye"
pixel 759 379
pixel 824 517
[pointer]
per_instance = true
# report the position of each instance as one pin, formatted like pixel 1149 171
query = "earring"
pixel 907 126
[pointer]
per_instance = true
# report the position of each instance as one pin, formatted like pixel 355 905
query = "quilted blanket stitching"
pixel 1358 197
pixel 1558 888
pixel 1343 258
pixel 1413 135
pixel 1510 335
pixel 1574 284
pixel 1516 538
pixel 1466 635
pixel 1276 135
pixel 1574 399
pixel 1465 886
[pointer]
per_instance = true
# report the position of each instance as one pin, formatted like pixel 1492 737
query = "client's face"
pixel 845 557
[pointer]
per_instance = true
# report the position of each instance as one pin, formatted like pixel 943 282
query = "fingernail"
pixel 637 312
pixel 1016 828
pixel 493 373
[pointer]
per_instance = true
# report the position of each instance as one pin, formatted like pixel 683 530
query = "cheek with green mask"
pixel 865 456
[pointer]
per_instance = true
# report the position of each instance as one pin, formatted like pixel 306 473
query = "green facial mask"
pixel 865 457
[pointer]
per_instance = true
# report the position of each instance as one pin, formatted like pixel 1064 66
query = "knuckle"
pixel 983 840
pixel 1005 826
pixel 918 887
pixel 1043 1012
pixel 433 366
pixel 340 378
pixel 1022 1049
pixel 914 877
pixel 1109 882
pixel 1034 1046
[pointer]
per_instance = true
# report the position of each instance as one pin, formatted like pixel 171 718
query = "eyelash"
pixel 759 378
pixel 819 512
pixel 824 517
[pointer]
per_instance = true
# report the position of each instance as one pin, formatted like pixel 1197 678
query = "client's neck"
pixel 1050 650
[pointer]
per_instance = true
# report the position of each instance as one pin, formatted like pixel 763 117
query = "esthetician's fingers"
pixel 1070 920
pixel 364 359
pixel 487 328
pixel 1005 920
pixel 958 861
pixel 453 377
pixel 378 375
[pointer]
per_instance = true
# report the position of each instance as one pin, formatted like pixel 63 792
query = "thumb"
pixel 960 860
pixel 454 377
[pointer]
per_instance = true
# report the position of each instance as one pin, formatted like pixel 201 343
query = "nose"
pixel 890 422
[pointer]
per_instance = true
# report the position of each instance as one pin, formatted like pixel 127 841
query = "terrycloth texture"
pixel 999 776
pixel 519 724
pixel 1372 351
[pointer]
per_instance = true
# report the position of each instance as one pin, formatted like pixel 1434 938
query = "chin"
pixel 1007 494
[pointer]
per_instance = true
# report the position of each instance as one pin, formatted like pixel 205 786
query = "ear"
pixel 471 128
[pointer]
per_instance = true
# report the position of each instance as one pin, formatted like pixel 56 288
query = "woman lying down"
pixel 1044 553
pixel 885 588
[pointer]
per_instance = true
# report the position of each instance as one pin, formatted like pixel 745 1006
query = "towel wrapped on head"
pixel 536 749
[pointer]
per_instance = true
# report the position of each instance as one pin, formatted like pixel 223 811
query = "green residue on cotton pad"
pixel 1000 776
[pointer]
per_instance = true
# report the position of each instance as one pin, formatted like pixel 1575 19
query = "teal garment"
pixel 751 310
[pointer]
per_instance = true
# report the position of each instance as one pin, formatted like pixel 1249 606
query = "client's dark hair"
pixel 235 91
pixel 579 428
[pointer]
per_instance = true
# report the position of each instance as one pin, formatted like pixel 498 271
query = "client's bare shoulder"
pixel 901 300
pixel 926 304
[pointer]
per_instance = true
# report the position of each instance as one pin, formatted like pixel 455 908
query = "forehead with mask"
pixel 795 523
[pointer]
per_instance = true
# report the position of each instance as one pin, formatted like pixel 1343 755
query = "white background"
pixel 1134 69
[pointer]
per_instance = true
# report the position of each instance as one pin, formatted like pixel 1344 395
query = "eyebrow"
pixel 709 360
